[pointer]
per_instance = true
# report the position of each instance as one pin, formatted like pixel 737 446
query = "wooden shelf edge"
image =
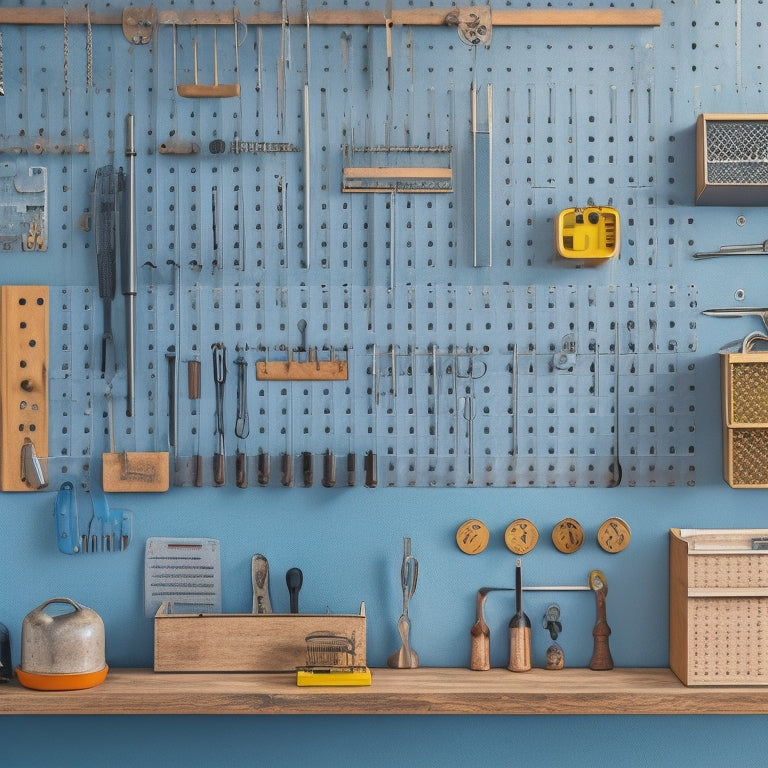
pixel 423 691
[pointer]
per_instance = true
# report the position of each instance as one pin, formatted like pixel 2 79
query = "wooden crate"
pixel 268 642
pixel 718 606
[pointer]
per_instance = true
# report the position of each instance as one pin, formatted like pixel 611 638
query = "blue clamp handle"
pixel 67 529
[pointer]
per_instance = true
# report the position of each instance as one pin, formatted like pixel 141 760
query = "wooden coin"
pixel 613 535
pixel 521 536
pixel 472 536
pixel 568 535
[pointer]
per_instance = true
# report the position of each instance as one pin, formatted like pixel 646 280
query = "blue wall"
pixel 595 113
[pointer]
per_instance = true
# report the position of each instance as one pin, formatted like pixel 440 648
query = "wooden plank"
pixel 435 17
pixel 272 642
pixel 426 690
pixel 208 91
pixel 24 342
pixel 308 370
pixel 576 17
pixel 131 472
pixel 396 172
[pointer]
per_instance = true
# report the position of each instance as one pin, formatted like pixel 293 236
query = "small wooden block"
pixel 135 472
pixel 313 370
pixel 209 91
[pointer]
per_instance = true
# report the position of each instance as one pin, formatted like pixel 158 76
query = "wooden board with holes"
pixel 24 342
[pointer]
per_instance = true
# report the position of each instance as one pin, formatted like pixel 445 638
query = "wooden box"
pixel 718 606
pixel 744 392
pixel 267 642
pixel 732 159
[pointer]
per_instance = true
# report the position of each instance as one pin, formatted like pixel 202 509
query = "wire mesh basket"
pixel 329 651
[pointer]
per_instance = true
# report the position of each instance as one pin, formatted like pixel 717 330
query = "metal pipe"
pixel 128 266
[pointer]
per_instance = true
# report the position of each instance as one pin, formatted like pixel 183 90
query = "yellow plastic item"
pixel 590 234
pixel 357 676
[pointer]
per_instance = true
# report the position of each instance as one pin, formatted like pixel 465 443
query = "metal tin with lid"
pixel 63 651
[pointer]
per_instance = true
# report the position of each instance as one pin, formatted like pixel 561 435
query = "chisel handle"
pixel 241 469
pixel 520 646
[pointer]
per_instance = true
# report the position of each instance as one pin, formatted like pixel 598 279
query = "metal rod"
pixel 128 266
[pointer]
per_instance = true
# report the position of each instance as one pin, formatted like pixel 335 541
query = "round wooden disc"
pixel 613 535
pixel 521 536
pixel 472 536
pixel 568 535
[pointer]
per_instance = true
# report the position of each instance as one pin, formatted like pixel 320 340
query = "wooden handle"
pixel 480 653
pixel 219 469
pixel 262 477
pixel 601 655
pixel 241 470
pixel 520 647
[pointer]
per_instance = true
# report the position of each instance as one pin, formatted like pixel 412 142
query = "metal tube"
pixel 128 266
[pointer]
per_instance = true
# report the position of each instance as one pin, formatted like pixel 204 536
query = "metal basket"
pixel 325 650
pixel 737 152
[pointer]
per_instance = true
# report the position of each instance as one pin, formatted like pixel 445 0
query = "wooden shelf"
pixel 422 691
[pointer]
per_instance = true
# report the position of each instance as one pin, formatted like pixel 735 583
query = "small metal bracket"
pixel 139 23
pixel 473 24
pixel 565 359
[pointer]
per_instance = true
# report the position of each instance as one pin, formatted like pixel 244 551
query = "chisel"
pixel 519 630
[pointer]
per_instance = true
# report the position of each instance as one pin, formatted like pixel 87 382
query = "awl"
pixel 761 312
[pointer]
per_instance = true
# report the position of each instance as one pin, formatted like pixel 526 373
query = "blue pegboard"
pixel 605 116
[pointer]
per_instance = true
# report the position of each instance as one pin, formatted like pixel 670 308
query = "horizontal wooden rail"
pixel 433 17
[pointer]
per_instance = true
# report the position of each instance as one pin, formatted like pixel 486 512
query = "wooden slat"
pixel 551 17
pixel 394 691
pixel 208 91
pixel 399 172
pixel 313 370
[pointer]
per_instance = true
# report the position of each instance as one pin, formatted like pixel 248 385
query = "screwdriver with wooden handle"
pixel 519 630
